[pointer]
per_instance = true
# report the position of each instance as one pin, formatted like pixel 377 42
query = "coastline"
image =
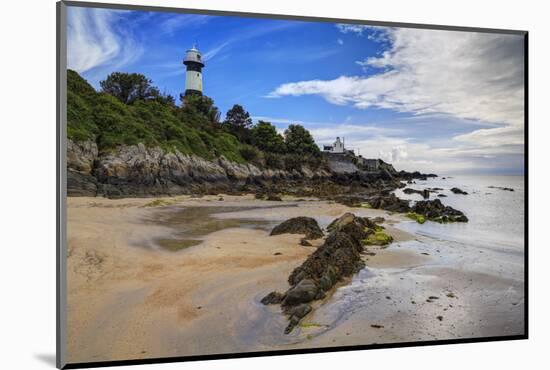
pixel 130 298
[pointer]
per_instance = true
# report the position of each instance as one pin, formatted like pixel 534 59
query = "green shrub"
pixel 274 161
pixel 249 153
pixel 104 118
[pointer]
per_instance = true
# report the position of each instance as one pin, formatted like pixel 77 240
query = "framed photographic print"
pixel 234 184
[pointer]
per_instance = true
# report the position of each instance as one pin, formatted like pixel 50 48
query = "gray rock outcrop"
pixel 136 170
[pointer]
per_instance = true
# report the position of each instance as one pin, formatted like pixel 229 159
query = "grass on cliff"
pixel 129 110
pixel 103 118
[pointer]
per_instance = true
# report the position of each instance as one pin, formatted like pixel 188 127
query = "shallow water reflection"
pixel 192 224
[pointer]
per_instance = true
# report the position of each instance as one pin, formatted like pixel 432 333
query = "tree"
pixel 166 99
pixel 266 138
pixel 129 87
pixel 299 141
pixel 238 122
pixel 202 105
pixel 237 117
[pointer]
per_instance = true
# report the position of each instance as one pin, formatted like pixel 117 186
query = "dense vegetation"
pixel 130 110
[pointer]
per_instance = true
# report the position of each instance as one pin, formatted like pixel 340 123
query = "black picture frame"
pixel 61 188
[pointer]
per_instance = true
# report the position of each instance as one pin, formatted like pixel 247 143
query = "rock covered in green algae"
pixel 436 211
pixel 305 291
pixel 295 314
pixel 379 238
pixel 417 217
pixel 338 257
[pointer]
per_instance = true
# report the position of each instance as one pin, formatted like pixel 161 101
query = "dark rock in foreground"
pixel 337 258
pixel 389 203
pixel 436 211
pixel 299 225
pixel 295 314
pixel 305 243
pixel 459 191
pixel 424 193
pixel 378 220
pixel 306 290
pixel 415 175
pixel 432 210
pixel 272 298
pixel 273 198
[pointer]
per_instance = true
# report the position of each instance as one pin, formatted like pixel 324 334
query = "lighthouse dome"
pixel 193 56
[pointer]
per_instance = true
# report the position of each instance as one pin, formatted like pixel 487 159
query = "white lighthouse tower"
pixel 193 76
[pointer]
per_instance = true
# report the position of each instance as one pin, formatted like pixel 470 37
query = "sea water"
pixel 487 249
pixel 496 216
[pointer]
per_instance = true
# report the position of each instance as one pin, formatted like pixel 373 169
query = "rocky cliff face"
pixel 341 164
pixel 139 171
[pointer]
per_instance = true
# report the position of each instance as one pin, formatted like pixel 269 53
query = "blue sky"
pixel 436 101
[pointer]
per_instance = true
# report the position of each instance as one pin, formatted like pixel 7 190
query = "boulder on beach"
pixel 299 225
pixel 273 298
pixel 353 225
pixel 389 203
pixel 459 191
pixel 424 193
pixel 378 220
pixel 273 198
pixel 305 243
pixel 305 291
pixel 338 257
pixel 436 211
pixel 350 200
pixel 295 314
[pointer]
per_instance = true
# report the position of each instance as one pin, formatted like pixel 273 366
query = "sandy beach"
pixel 181 276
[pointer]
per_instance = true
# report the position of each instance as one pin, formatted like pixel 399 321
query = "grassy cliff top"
pixel 130 110
pixel 103 118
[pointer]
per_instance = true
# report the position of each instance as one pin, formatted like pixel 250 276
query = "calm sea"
pixel 496 216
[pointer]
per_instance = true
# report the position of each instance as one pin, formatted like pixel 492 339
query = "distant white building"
pixel 337 147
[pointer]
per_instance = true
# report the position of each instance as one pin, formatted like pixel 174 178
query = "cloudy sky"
pixel 435 101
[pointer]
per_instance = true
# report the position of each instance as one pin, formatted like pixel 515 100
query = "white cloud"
pixel 215 50
pixel 494 137
pixel 395 155
pixel 469 153
pixel 352 28
pixel 93 40
pixel 466 75
pixel 326 132
pixel 173 23
pixel 471 78
pixel 340 42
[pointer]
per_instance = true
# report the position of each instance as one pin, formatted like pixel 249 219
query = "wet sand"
pixel 184 276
